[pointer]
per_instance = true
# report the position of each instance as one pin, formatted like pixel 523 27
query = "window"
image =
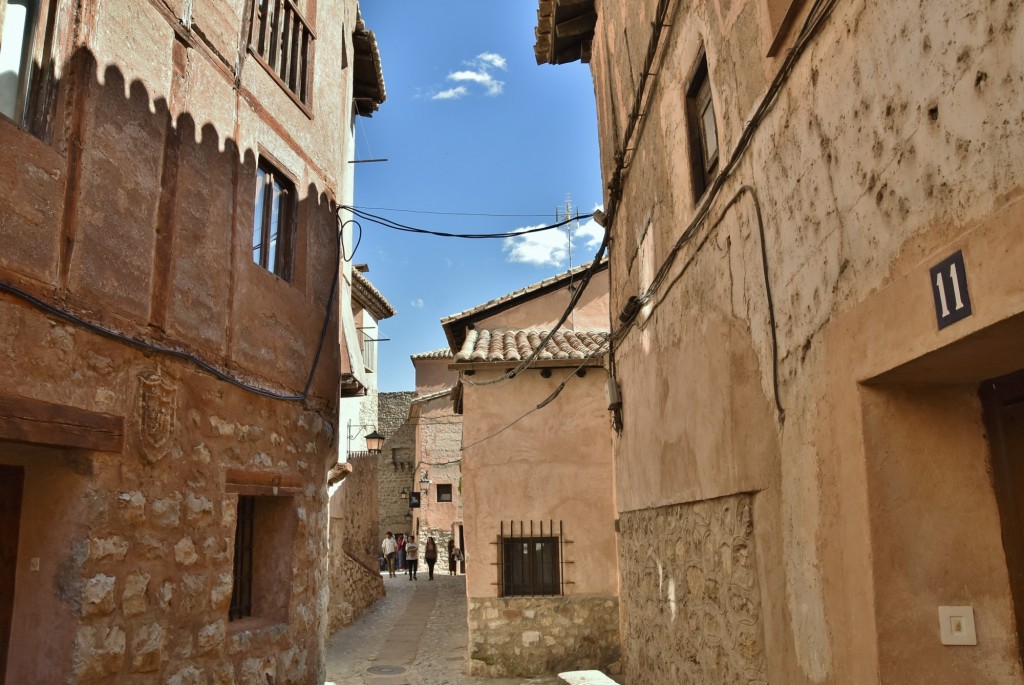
pixel 282 42
pixel 369 351
pixel 241 591
pixel 25 44
pixel 262 572
pixel 273 224
pixel 444 493
pixel 530 566
pixel 703 129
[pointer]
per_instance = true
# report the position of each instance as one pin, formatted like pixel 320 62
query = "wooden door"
pixel 11 479
pixel 1003 402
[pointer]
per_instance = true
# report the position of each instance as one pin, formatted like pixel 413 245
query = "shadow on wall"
pixel 121 208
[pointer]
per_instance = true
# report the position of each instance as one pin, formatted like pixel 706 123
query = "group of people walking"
pixel 402 553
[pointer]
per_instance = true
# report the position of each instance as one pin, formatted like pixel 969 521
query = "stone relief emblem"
pixel 157 414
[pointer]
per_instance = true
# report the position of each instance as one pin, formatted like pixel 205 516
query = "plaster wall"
pixel 541 313
pixel 509 478
pixel 433 375
pixel 439 454
pixel 135 212
pixel 893 143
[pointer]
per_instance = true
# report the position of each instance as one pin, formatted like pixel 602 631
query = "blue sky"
pixel 472 124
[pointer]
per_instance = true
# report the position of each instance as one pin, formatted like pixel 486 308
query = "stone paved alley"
pixel 419 627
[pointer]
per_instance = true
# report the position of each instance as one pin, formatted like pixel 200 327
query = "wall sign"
pixel 414 500
pixel 949 288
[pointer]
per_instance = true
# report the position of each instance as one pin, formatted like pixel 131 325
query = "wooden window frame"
pixel 284 258
pixel 700 99
pixel 284 44
pixel 35 94
pixel 450 492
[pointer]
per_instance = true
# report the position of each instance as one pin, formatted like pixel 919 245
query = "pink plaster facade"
pixel 550 467
pixel 830 453
pixel 131 317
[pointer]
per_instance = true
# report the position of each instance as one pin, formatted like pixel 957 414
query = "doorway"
pixel 1003 405
pixel 11 482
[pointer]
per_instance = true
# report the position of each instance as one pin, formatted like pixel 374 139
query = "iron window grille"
pixel 241 590
pixel 531 562
pixel 282 42
pixel 273 220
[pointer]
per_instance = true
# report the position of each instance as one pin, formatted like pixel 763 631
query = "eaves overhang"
pixel 368 91
pixel 565 31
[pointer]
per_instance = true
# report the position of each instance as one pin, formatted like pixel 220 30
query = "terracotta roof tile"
pixel 370 298
pixel 515 346
pixel 443 353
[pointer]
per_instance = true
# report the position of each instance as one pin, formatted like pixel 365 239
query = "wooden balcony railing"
pixel 282 41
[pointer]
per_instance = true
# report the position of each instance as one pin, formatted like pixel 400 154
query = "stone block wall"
pixel 355 583
pixel 395 461
pixel 530 636
pixel 691 601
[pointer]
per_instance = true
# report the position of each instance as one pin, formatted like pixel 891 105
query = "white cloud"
pixel 551 248
pixel 479 73
pixel 482 77
pixel 541 249
pixel 451 93
pixel 494 59
pixel 417 303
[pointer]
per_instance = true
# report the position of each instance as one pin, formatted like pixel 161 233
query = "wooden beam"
pixel 243 482
pixel 577 26
pixel 56 425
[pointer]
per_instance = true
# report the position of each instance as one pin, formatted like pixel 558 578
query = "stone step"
pixel 585 678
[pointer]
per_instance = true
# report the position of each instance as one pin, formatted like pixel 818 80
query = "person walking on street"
pixel 453 561
pixel 399 552
pixel 412 556
pixel 430 554
pixel 387 546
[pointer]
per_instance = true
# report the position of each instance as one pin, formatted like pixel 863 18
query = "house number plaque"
pixel 949 288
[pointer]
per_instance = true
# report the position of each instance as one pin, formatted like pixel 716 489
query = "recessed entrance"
pixel 11 481
pixel 1003 401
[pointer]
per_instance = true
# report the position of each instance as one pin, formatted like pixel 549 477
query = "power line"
pixel 438 213
pixel 397 226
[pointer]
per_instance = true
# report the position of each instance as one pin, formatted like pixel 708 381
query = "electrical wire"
pixel 199 362
pixel 543 403
pixel 819 12
pixel 397 226
pixel 573 301
pixel 341 239
pixel 436 213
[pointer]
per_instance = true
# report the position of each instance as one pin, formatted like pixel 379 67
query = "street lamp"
pixel 374 440
pixel 404 494
pixel 424 484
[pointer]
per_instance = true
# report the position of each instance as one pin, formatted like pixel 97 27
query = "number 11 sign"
pixel 949 288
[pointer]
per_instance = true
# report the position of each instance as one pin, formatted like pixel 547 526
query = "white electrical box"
pixel 956 626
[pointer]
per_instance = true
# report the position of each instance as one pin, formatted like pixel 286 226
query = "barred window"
pixel 531 561
pixel 241 591
pixel 282 41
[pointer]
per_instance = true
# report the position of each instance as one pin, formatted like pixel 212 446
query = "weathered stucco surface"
pixel 137 214
pixel 894 142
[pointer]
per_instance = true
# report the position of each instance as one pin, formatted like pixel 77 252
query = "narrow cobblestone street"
pixel 416 635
